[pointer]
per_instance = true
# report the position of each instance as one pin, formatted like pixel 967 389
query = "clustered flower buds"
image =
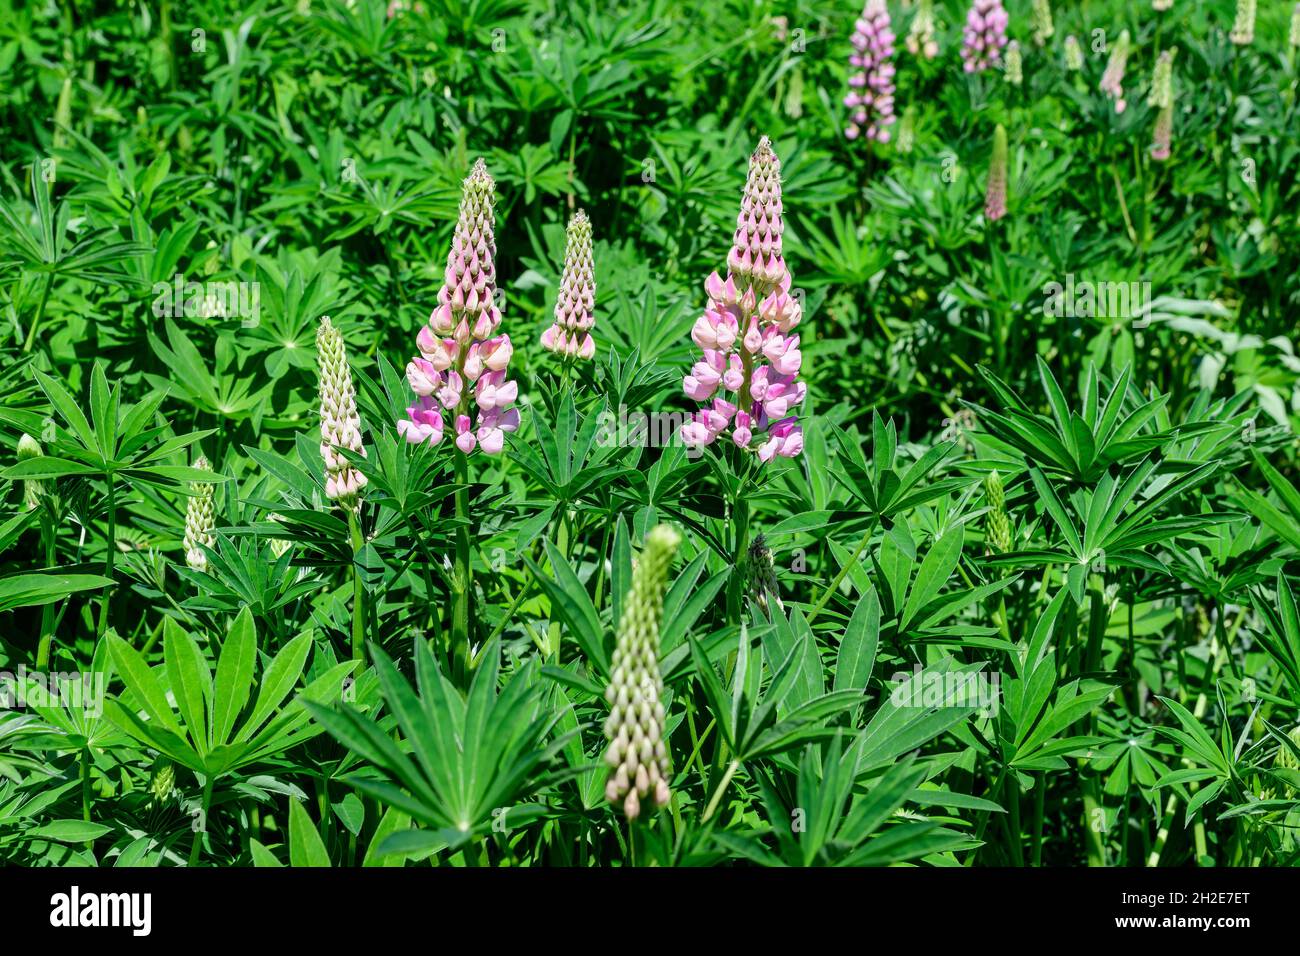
pixel 984 35
pixel 1073 54
pixel 1243 25
pixel 1160 6
pixel 462 362
pixel 762 576
pixel 1162 80
pixel 200 517
pixel 33 488
pixel 340 425
pixel 871 89
pixel 995 193
pixel 1294 38
pixel 1112 80
pixel 637 756
pixel 1162 135
pixel 571 333
pixel 162 782
pixel 1043 26
pixel 750 352
pixel 920 36
pixel 997 525
pixel 1014 68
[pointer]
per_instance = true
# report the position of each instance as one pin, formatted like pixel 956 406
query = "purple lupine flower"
pixel 984 35
pixel 995 193
pixel 461 368
pixel 570 334
pixel 749 369
pixel 871 89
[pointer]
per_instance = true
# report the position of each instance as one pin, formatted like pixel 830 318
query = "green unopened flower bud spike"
pixel 33 488
pixel 637 756
pixel 200 517
pixel 997 526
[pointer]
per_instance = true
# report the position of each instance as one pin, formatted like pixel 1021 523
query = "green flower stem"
pixel 111 553
pixel 462 580
pixel 834 585
pixel 358 589
pixel 47 612
pixel 717 794
pixel 205 804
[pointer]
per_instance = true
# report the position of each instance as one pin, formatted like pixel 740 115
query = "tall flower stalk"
pixel 1112 80
pixel 984 36
pixel 200 518
pixel 340 428
pixel 1043 26
pixel 920 35
pixel 461 369
pixel 871 88
pixel 637 755
pixel 570 334
pixel 1243 24
pixel 749 369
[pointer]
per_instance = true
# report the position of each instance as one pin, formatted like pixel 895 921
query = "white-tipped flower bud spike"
pixel 1243 25
pixel 995 193
pixel 1295 28
pixel 1043 26
pixel 1160 6
pixel 920 36
pixel 997 526
pixel 1112 80
pixel 637 756
pixel 1014 66
pixel 200 518
pixel 1073 54
pixel 340 425
pixel 570 334
pixel 906 141
pixel 756 260
pixel 1162 80
pixel 33 489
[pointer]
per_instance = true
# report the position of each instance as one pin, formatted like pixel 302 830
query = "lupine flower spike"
pixel 1162 79
pixel 984 36
pixel 1243 25
pixel 340 425
pixel 570 335
pixel 920 36
pixel 637 755
pixel 1073 54
pixel 995 194
pixel 871 89
pixel 1014 68
pixel 33 488
pixel 750 355
pixel 997 526
pixel 1295 28
pixel 200 518
pixel 1043 26
pixel 461 368
pixel 1112 80
pixel 1160 6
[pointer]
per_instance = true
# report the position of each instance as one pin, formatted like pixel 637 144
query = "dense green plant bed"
pixel 516 433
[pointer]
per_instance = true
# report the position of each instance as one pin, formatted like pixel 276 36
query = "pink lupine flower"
pixel 871 89
pixel 920 37
pixel 984 35
pixel 1112 80
pixel 1163 134
pixel 340 426
pixel 995 193
pixel 423 422
pixel 750 356
pixel 570 335
pixel 461 355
